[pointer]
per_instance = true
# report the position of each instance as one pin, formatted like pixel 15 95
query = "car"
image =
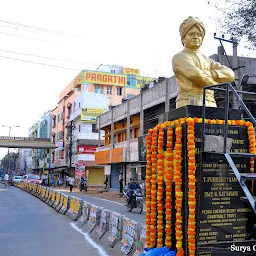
pixel 32 178
pixel 16 179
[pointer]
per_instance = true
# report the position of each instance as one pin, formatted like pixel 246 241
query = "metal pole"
pixel 236 71
pixel 226 119
pixel 70 146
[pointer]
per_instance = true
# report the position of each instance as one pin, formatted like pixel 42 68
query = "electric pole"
pixel 70 128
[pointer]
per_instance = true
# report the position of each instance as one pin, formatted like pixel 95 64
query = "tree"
pixel 5 161
pixel 239 18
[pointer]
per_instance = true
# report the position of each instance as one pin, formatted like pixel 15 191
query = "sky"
pixel 82 34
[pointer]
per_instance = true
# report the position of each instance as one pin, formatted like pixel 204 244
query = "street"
pixel 112 206
pixel 29 227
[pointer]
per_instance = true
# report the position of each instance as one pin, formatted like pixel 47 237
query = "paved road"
pixel 113 206
pixel 29 227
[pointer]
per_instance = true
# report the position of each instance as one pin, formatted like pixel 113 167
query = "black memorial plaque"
pixel 222 216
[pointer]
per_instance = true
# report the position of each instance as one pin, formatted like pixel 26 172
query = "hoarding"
pixel 90 114
pixel 141 81
pixel 131 71
pixel 91 77
pixel 79 171
pixel 86 149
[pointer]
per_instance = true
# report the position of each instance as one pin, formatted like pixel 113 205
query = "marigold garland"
pixel 148 186
pixel 166 167
pixel 178 188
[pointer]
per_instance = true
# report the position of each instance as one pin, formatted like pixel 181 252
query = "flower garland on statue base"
pixel 167 168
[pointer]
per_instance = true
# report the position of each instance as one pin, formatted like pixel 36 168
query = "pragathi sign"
pixel 104 78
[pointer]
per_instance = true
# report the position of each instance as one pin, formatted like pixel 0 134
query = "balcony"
pixel 89 136
pixel 76 114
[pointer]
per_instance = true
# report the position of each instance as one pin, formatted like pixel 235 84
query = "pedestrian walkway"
pixel 110 200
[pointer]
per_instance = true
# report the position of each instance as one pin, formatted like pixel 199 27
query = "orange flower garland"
pixel 191 146
pixel 178 188
pixel 153 210
pixel 160 189
pixel 167 167
pixel 168 183
pixel 148 185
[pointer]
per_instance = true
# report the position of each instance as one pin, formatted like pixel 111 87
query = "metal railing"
pixel 228 88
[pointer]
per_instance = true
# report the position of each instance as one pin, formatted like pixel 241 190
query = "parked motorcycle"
pixel 136 201
pixel 83 185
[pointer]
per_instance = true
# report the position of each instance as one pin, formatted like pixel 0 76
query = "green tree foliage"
pixel 239 18
pixel 5 161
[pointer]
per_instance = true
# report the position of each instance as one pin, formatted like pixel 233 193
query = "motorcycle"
pixel 136 201
pixel 83 185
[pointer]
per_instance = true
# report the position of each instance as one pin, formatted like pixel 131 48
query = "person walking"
pixel 71 182
pixel 106 182
pixel 6 179
pixel 121 182
pixel 66 179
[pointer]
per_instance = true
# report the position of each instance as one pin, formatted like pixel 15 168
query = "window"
pixel 131 80
pixel 59 117
pixel 53 139
pixel 130 96
pixel 54 120
pixel 119 91
pixel 69 111
pixel 98 89
pixel 79 128
pixel 59 154
pixel 60 135
pixel 74 106
pixel 113 71
pixel 109 90
pixel 94 128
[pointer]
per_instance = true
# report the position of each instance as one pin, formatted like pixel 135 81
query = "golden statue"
pixel 193 70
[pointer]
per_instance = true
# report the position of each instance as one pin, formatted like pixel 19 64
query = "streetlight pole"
pixel 10 127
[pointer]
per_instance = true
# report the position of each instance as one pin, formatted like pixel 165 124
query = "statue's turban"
pixel 190 22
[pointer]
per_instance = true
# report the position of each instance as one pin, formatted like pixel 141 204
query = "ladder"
pixel 241 177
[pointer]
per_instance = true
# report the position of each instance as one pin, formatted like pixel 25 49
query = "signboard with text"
pixel 79 171
pixel 86 149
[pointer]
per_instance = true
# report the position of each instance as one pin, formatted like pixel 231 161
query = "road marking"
pixel 89 240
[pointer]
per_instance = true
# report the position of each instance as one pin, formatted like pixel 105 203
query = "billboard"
pixel 86 149
pixel 79 171
pixel 92 77
pixel 131 71
pixel 90 114
pixel 94 105
pixel 141 81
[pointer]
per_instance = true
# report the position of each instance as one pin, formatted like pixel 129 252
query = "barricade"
pixel 94 217
pixel 49 196
pixel 38 188
pixel 128 238
pixel 85 214
pixel 140 244
pixel 34 189
pixel 57 199
pixel 102 226
pixel 39 192
pixel 46 195
pixel 52 200
pixel 58 207
pixel 75 208
pixel 65 205
pixel 42 194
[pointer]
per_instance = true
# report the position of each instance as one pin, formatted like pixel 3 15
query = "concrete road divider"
pixel 140 244
pixel 85 214
pixel 65 205
pixel 49 196
pixel 43 191
pixel 46 194
pixel 57 199
pixel 38 191
pixel 75 208
pixel 52 201
pixel 115 229
pixel 102 226
pixel 129 235
pixel 58 207
pixel 94 217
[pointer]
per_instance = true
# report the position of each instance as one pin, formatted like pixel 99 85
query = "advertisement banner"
pixel 92 77
pixel 90 114
pixel 131 71
pixel 86 149
pixel 79 171
pixel 102 157
pixel 141 81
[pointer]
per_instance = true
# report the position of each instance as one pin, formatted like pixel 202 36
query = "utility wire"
pixel 27 37
pixel 50 58
pixel 36 28
pixel 31 31
pixel 38 63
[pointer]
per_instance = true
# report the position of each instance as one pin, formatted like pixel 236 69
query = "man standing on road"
pixel 121 182
pixel 71 182
pixel 6 179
